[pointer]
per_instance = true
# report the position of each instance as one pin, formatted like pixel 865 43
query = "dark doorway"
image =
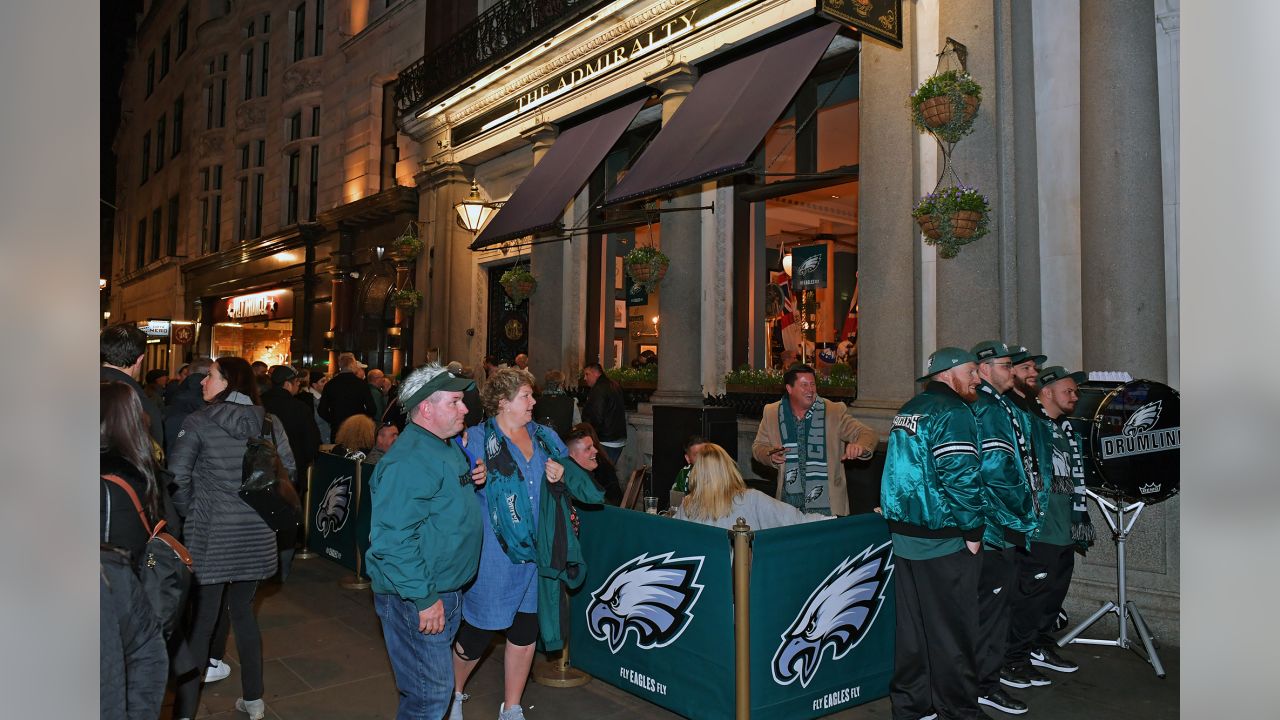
pixel 508 320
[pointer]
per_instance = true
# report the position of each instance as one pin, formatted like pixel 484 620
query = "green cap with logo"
pixel 1021 355
pixel 945 359
pixel 991 349
pixel 444 381
pixel 1054 373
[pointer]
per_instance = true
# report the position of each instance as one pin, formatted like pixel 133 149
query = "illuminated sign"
pixel 257 306
pixel 155 328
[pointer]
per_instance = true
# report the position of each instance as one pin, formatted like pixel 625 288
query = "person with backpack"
pixel 232 547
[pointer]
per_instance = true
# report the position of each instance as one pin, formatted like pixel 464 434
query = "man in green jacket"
pixel 931 496
pixel 1010 488
pixel 424 540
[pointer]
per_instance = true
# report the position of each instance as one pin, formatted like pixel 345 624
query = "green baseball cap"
pixel 444 381
pixel 945 359
pixel 1054 373
pixel 1021 355
pixel 990 349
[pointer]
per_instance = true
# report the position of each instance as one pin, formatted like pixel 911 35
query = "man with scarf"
pixel 807 438
pixel 1044 570
pixel 1011 494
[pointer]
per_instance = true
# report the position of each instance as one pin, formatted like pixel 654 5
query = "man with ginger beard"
pixel 932 498
pixel 1011 501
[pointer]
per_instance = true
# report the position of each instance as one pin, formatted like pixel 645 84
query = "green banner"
pixel 822 617
pixel 332 507
pixel 655 615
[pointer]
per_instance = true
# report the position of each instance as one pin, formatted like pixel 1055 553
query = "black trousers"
pixel 237 598
pixel 1044 575
pixel 937 628
pixel 994 590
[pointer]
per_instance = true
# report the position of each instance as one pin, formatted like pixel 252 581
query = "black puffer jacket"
pixel 186 399
pixel 227 539
pixel 133 666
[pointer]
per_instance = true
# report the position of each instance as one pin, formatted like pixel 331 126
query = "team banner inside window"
pixel 880 18
pixel 809 267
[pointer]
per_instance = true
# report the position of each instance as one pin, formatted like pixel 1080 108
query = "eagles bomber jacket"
pixel 1011 512
pixel 931 485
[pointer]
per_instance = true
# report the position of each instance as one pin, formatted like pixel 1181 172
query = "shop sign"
pixel 258 306
pixel 879 18
pixel 155 328
pixel 645 40
pixel 809 264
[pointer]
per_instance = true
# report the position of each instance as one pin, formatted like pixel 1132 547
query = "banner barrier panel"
pixel 655 614
pixel 337 532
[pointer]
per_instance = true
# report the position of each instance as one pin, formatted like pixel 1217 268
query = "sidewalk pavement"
pixel 324 660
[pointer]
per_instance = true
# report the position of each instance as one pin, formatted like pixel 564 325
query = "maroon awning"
pixel 725 117
pixel 538 204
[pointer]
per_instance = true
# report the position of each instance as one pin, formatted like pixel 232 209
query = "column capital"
pixel 677 79
pixel 541 136
pixel 437 174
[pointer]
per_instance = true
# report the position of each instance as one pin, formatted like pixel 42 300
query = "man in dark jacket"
pixel 346 394
pixel 281 400
pixel 186 399
pixel 134 665
pixel 121 349
pixel 605 411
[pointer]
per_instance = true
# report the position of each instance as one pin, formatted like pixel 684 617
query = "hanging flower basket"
pixel 406 248
pixel 952 217
pixel 646 266
pixel 407 300
pixel 946 105
pixel 519 283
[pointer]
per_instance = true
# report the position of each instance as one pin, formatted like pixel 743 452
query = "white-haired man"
pixel 424 539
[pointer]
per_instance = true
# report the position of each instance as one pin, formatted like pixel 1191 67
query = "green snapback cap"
pixel 1021 355
pixel 945 359
pixel 1054 373
pixel 990 349
pixel 444 381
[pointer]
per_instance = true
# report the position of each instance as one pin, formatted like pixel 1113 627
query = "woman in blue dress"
pixel 504 597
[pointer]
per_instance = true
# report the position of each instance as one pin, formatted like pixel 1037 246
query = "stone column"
pixel 445 269
pixel 546 305
pixel 1121 216
pixel 680 294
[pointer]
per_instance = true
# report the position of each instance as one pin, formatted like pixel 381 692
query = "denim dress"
pixel 503 588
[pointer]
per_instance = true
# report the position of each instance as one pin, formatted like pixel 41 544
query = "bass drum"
pixel 1133 438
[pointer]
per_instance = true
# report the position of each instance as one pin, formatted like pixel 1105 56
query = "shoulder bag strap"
pixel 116 479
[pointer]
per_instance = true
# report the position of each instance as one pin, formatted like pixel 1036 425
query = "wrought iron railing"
pixel 498 34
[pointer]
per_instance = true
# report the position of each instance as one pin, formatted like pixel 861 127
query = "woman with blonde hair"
pixel 356 434
pixel 718 496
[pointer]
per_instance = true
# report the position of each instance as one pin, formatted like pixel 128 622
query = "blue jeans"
pixel 423 664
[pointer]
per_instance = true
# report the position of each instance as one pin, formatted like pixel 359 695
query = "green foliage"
pixel 952 84
pixel 747 375
pixel 407 245
pixel 517 273
pixel 940 204
pixel 642 374
pixel 407 299
pixel 652 264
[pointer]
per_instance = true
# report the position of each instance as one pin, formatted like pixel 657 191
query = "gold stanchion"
pixel 557 673
pixel 741 534
pixel 358 581
pixel 305 553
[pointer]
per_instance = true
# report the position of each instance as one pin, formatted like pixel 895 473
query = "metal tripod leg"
pixel 1145 634
pixel 1095 617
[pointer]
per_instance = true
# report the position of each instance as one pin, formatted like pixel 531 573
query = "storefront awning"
pixel 539 202
pixel 719 125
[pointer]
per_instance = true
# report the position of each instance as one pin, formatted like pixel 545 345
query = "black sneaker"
pixel 1036 677
pixel 1014 677
pixel 1046 658
pixel 1000 700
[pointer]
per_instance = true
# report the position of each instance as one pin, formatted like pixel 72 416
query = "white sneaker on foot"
pixel 256 709
pixel 217 670
pixel 455 710
pixel 515 712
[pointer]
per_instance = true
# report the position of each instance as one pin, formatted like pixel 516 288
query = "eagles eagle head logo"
pixel 1144 419
pixel 809 265
pixel 837 615
pixel 652 596
pixel 335 507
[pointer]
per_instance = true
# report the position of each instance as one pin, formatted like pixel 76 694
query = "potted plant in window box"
pixel 646 266
pixel 406 299
pixel 946 105
pixel 952 217
pixel 519 282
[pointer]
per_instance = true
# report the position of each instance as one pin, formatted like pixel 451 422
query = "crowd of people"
pixel 475 483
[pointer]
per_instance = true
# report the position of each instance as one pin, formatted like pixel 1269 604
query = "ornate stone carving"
pixel 250 116
pixel 209 144
pixel 300 78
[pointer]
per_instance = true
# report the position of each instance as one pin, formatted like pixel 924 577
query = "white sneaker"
pixel 455 711
pixel 256 709
pixel 217 670
pixel 515 712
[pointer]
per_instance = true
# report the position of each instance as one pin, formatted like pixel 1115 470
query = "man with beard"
pixel 1044 570
pixel 1010 494
pixel 931 497
pixel 1025 366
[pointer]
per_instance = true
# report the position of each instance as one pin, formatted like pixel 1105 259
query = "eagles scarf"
pixel 510 510
pixel 804 469
pixel 1081 524
pixel 1025 451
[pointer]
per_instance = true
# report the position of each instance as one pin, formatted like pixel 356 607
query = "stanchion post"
pixel 742 535
pixel 557 673
pixel 305 553
pixel 358 581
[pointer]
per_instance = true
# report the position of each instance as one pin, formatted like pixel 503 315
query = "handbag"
pixel 164 570
pixel 265 487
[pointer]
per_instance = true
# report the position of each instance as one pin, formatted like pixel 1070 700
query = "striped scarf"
pixel 1025 450
pixel 804 469
pixel 1081 524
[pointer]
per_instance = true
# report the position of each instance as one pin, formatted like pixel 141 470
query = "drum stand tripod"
pixel 1124 608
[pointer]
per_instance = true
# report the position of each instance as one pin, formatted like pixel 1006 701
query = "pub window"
pixel 293 130
pixel 160 143
pixel 291 207
pixel 140 245
pixel 146 156
pixel 155 234
pixel 313 183
pixel 317 47
pixel 172 240
pixel 300 32
pixel 315 121
pixel 164 55
pixel 151 72
pixel 184 20
pixel 390 147
pixel 177 125
pixel 246 60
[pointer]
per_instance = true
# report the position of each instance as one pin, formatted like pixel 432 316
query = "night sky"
pixel 118 25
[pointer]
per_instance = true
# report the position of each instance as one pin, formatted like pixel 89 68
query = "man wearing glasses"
pixel 1010 490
